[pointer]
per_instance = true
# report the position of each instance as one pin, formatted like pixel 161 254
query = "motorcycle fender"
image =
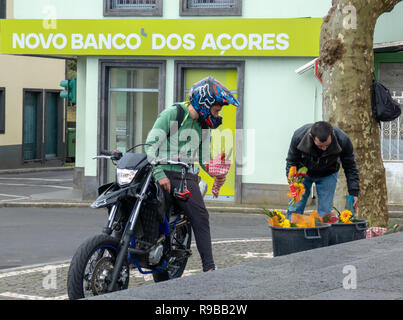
pixel 108 198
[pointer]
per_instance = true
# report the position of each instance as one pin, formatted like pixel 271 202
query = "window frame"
pixel 185 11
pixel 109 12
pixel 3 110
pixel 103 97
pixel 180 67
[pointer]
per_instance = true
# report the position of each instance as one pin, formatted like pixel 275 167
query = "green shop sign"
pixel 163 37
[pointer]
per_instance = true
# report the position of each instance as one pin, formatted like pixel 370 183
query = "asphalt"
pixel 368 269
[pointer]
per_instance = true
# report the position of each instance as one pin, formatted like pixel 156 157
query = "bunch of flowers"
pixel 346 216
pixel 277 219
pixel 297 188
pixel 218 166
pixel 330 218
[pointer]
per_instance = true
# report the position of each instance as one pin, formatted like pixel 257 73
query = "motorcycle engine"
pixel 155 254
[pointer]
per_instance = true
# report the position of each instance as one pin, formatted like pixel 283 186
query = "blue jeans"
pixel 325 188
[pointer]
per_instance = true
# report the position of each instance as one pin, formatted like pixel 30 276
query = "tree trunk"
pixel 346 67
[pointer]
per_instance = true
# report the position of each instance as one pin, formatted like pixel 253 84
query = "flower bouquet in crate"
pixel 345 226
pixel 302 232
pixel 277 219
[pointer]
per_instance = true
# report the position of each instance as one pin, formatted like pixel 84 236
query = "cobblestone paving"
pixel 49 282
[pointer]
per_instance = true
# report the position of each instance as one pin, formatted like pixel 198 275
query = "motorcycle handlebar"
pixel 105 154
pixel 116 155
pixel 167 161
pixel 183 164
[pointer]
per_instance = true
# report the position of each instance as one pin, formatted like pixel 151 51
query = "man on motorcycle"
pixel 201 113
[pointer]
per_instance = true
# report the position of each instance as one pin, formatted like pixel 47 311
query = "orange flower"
pixel 315 216
pixel 302 221
pixel 292 172
pixel 300 192
pixel 274 221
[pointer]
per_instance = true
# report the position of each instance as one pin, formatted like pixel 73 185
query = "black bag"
pixel 384 107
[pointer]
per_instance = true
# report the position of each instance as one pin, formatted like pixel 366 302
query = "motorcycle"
pixel 145 229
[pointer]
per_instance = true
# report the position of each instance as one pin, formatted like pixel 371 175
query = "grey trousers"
pixel 196 210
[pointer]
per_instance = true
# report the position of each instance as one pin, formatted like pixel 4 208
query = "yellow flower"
pixel 292 172
pixel 345 216
pixel 286 223
pixel 280 215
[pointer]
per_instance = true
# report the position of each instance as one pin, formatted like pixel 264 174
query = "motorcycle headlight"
pixel 125 176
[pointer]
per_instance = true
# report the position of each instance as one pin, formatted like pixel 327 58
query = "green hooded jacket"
pixel 190 141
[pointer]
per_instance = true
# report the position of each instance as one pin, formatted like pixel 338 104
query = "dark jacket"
pixel 303 152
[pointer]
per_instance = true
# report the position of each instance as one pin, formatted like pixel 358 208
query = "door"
pixel 51 125
pixel 31 126
pixel 223 138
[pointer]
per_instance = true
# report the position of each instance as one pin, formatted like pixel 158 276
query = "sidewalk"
pixel 368 269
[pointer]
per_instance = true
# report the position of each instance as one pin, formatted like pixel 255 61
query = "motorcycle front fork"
pixel 128 234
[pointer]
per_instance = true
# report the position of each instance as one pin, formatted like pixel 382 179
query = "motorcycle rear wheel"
pixel 181 239
pixel 91 267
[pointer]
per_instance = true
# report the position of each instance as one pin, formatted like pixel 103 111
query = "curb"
pixel 40 169
pixel 39 204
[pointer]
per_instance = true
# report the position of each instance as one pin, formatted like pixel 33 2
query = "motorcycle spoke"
pixel 89 270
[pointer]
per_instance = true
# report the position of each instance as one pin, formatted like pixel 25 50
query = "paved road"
pixel 49 237
pixel 20 186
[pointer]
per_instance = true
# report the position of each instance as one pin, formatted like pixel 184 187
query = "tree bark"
pixel 346 65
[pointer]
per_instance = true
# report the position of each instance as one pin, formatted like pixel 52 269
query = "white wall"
pixel 394 178
pixel 277 101
pixel 389 26
pixel 93 9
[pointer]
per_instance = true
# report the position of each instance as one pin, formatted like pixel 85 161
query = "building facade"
pixel 134 58
pixel 32 115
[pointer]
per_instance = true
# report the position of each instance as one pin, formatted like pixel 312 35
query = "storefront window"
pixel 133 106
pixel 132 7
pixel 211 8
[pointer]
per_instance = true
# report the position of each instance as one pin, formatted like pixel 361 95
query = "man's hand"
pixel 220 179
pixel 165 184
pixel 355 204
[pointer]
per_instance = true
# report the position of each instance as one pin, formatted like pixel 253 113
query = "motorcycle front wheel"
pixel 181 239
pixel 91 268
